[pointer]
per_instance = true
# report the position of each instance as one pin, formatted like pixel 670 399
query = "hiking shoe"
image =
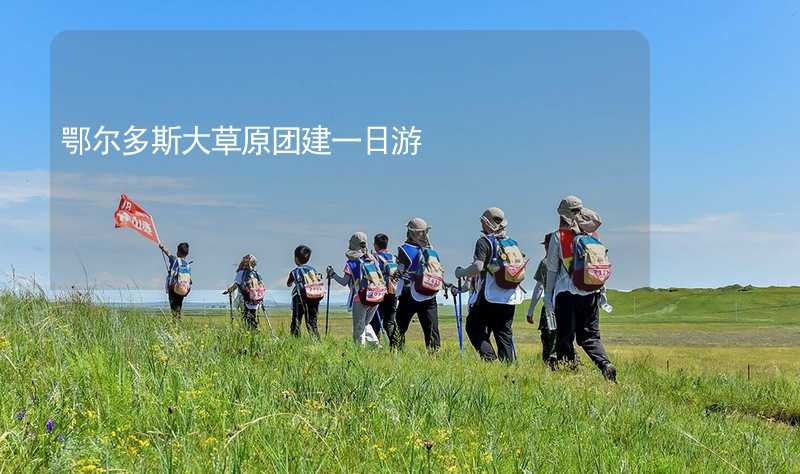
pixel 610 373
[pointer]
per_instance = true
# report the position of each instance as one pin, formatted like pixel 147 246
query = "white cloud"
pixel 703 224
pixel 102 189
pixel 18 187
pixel 29 224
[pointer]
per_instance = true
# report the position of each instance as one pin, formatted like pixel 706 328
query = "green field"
pixel 715 330
pixel 132 391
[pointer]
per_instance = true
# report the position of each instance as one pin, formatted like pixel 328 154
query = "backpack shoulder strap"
pixel 362 270
pixel 407 249
pixel 296 274
pixel 355 268
pixel 493 245
pixel 249 273
pixel 176 265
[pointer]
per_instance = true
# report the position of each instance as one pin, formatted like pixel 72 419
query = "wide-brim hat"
pixel 573 203
pixel 418 224
pixel 357 246
pixel 495 218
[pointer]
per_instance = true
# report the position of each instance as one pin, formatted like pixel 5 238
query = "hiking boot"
pixel 610 373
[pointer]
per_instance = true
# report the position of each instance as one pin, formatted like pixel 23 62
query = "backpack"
pixel 429 275
pixel 180 277
pixel 309 283
pixel 368 281
pixel 252 288
pixel 388 266
pixel 507 263
pixel 591 267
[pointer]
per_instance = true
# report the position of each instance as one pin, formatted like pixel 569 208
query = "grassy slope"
pixel 138 393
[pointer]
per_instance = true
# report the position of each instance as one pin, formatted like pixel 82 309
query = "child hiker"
pixel 367 287
pixel 387 263
pixel 574 283
pixel 308 290
pixel 251 289
pixel 179 277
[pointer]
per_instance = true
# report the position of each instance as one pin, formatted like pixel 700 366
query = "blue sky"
pixel 505 117
pixel 724 108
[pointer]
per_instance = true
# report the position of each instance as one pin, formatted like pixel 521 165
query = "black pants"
pixel 386 317
pixel 250 318
pixel 304 308
pixel 428 314
pixel 485 319
pixel 175 303
pixel 548 337
pixel 578 319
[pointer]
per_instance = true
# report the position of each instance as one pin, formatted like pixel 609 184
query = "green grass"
pixel 713 330
pixel 134 392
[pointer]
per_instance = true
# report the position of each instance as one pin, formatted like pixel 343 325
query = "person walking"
pixel 499 267
pixel 576 310
pixel 356 276
pixel 251 290
pixel 547 325
pixel 307 292
pixel 385 317
pixel 423 278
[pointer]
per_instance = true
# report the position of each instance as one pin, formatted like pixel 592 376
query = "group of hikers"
pixel 387 290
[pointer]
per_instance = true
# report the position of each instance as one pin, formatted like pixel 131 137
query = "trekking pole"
pixel 230 306
pixel 269 323
pixel 328 304
pixel 457 303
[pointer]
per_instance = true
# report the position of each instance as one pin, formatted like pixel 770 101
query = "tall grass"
pixel 126 391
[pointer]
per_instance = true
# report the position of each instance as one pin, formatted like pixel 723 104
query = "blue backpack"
pixel 309 283
pixel 369 282
pixel 252 287
pixel 180 277
pixel 388 265
pixel 426 269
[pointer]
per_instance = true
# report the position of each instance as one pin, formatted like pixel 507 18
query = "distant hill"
pixel 742 304
pixel 731 303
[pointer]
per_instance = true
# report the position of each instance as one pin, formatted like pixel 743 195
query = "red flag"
pixel 131 215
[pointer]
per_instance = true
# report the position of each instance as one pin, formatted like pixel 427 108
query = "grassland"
pixel 130 391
